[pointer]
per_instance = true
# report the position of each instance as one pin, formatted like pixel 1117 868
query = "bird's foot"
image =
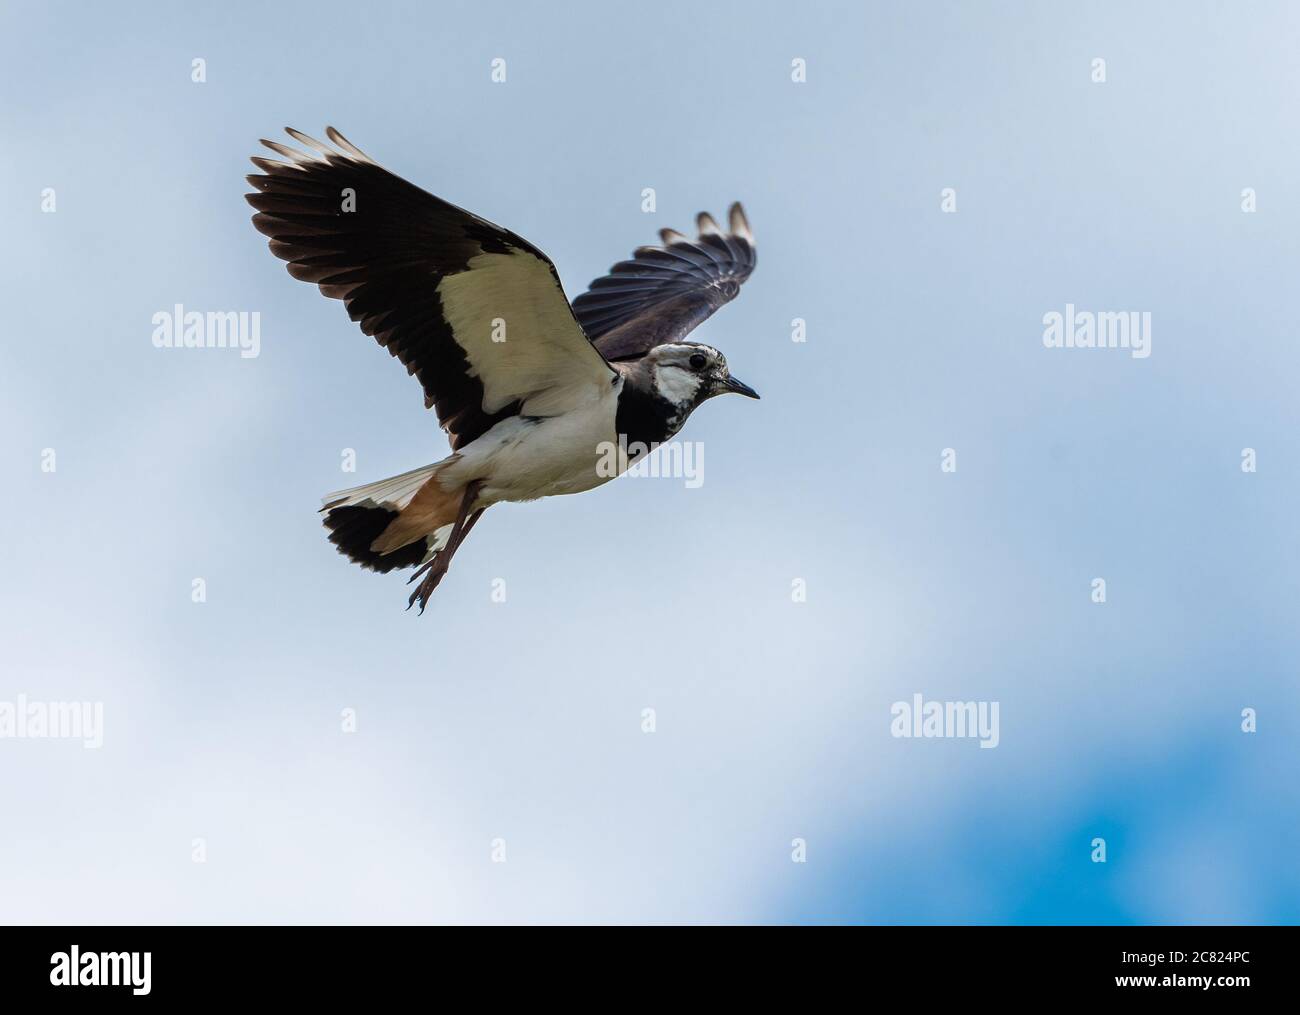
pixel 440 562
pixel 437 568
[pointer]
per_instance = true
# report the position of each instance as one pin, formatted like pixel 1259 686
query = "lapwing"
pixel 531 390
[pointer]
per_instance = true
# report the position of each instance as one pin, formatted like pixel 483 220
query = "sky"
pixel 922 503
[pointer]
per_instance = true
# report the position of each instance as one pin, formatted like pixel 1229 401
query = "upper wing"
pixel 663 293
pixel 475 312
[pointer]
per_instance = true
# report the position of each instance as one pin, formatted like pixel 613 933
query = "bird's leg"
pixel 453 541
pixel 441 559
pixel 448 549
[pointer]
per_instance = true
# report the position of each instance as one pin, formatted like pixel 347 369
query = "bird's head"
pixel 685 374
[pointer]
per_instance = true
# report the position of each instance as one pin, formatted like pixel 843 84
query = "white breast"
pixel 523 459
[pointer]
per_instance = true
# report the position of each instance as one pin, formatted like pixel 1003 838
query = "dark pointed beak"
pixel 739 387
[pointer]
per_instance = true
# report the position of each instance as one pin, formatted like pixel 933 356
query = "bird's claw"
pixel 437 569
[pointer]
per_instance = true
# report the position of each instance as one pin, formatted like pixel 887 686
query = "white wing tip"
pixel 739 224
pixel 347 145
pixel 706 225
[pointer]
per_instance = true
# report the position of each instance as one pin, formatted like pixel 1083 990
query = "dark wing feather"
pixel 664 293
pixel 427 280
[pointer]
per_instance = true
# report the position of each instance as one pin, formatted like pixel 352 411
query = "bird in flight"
pixel 538 396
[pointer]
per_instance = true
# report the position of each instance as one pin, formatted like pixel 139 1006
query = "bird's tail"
pixel 396 522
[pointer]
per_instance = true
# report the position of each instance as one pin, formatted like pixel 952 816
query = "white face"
pixel 681 370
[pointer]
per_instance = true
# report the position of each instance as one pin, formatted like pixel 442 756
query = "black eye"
pixel 698 361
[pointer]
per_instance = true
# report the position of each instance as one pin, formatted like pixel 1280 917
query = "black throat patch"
pixel 645 417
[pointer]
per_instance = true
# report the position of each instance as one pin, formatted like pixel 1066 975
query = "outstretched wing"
pixel 664 293
pixel 475 312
